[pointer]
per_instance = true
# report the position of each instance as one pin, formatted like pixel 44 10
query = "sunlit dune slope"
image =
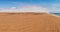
pixel 29 22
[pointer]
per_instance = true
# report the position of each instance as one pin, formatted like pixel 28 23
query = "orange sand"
pixel 29 22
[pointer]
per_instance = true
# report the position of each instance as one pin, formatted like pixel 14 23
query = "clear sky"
pixel 50 5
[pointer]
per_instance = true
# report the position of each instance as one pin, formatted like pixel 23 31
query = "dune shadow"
pixel 12 13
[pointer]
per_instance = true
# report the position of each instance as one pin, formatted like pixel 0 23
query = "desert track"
pixel 28 22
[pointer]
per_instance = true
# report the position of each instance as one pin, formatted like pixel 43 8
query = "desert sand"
pixel 29 22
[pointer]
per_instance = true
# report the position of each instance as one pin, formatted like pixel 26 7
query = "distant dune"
pixel 29 22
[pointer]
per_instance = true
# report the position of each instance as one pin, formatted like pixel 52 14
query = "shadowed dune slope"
pixel 29 22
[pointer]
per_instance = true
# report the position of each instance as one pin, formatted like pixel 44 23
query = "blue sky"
pixel 51 5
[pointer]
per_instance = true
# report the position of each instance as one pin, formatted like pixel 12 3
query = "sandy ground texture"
pixel 29 22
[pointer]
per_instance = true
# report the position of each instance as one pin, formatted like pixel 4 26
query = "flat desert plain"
pixel 29 22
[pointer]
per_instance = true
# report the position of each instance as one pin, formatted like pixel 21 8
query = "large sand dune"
pixel 29 22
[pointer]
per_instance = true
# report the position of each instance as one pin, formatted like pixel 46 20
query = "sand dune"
pixel 29 22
